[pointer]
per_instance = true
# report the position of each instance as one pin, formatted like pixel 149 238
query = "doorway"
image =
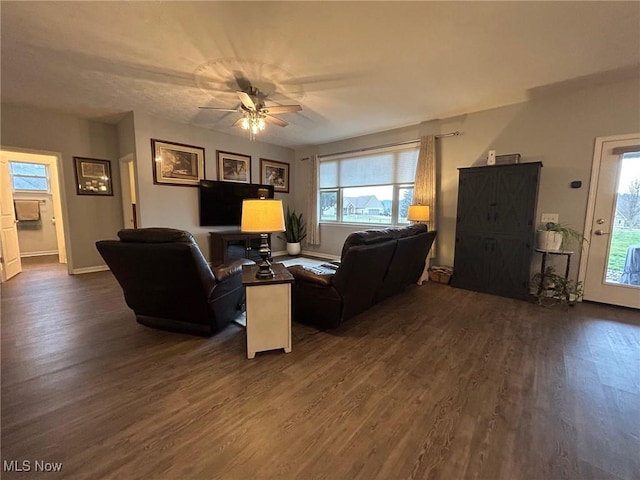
pixel 128 184
pixel 48 207
pixel 610 268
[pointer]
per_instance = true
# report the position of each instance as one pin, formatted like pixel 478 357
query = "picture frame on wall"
pixel 177 164
pixel 233 167
pixel 275 173
pixel 508 159
pixel 93 176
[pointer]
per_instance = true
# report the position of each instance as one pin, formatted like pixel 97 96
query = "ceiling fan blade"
pixel 246 100
pixel 275 121
pixel 220 109
pixel 243 82
pixel 276 109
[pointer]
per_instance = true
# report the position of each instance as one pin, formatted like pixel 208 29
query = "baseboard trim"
pixel 97 268
pixel 39 254
pixel 323 256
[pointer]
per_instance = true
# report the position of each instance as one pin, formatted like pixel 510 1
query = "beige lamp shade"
pixel 418 213
pixel 262 216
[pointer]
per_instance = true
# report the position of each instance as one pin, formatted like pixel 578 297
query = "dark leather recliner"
pixel 375 264
pixel 169 285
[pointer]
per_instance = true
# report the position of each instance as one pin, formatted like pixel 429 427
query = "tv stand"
pixel 225 245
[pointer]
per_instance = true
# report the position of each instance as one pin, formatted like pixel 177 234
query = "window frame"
pixel 46 176
pixel 397 188
pixel 337 206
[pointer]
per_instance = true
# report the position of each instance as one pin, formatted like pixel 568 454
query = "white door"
pixel 612 265
pixel 9 247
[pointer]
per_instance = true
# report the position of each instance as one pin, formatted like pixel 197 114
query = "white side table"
pixel 268 309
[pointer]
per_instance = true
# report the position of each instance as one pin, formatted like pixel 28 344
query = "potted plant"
pixel 554 289
pixel 296 231
pixel 555 237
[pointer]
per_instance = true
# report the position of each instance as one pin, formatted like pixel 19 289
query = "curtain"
pixel 424 190
pixel 313 225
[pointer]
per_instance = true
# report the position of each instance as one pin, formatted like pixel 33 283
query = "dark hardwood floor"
pixel 435 383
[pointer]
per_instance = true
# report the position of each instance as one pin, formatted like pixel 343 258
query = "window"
pixel 329 205
pixel 29 177
pixel 372 187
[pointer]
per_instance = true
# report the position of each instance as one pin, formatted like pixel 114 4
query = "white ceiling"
pixel 355 67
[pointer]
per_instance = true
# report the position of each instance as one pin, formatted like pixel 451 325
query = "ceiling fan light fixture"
pixel 254 122
pixel 255 114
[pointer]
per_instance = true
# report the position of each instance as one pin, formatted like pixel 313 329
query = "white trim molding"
pixel 97 268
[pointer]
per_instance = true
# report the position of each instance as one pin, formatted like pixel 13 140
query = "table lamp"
pixel 263 216
pixel 418 213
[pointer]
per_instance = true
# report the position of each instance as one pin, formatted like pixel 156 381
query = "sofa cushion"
pixel 373 236
pixel 408 231
pixel 360 275
pixel 407 264
pixel 364 237
pixel 155 235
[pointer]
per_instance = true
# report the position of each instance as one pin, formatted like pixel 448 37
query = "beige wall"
pixel 558 128
pixel 177 206
pixel 93 218
pixel 88 218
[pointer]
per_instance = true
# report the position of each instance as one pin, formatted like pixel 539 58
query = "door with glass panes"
pixel 611 268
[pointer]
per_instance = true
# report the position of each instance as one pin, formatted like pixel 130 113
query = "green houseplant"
pixel 558 236
pixel 296 231
pixel 554 289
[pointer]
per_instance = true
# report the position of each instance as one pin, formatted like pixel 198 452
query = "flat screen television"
pixel 221 202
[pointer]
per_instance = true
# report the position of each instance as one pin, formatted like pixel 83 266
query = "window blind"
pixel 626 149
pixel 391 165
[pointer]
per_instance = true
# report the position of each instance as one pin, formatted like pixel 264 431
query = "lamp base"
pixel 264 267
pixel 264 271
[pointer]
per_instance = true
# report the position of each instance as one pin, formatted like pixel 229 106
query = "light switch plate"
pixel 549 217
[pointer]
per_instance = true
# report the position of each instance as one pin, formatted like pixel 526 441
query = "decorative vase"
pixel 293 248
pixel 549 240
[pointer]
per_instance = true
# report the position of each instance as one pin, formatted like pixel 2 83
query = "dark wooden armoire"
pixel 495 228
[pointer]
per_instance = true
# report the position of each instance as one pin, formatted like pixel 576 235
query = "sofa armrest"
pixel 316 275
pixel 228 270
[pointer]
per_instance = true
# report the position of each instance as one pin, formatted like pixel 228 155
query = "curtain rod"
pixel 442 135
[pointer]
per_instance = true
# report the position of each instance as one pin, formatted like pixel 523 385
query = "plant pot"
pixel 293 248
pixel 548 240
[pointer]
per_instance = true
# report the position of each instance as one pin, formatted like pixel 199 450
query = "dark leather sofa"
pixel 169 285
pixel 375 264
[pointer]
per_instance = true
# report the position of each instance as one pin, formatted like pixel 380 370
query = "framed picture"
pixel 176 163
pixel 93 176
pixel 507 159
pixel 234 167
pixel 276 174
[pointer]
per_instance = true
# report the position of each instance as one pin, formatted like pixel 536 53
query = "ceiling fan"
pixel 255 114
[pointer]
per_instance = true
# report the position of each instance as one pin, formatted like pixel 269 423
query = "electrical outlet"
pixel 549 217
